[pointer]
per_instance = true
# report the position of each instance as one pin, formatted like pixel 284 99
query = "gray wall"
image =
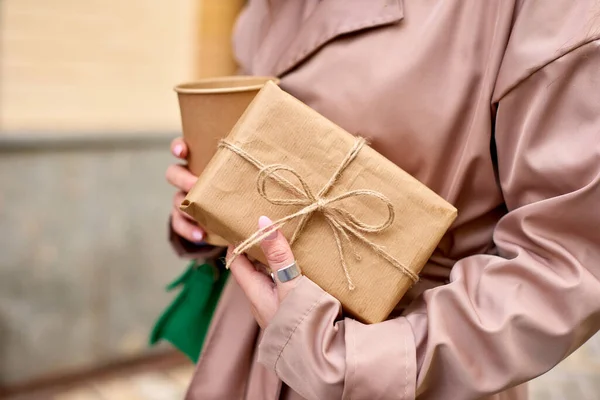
pixel 83 250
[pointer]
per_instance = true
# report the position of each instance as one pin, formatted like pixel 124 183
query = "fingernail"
pixel 178 150
pixel 263 222
pixel 198 236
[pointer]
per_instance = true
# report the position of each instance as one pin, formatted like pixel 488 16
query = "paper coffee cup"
pixel 209 110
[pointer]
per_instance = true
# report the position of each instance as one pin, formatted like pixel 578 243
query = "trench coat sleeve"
pixel 503 319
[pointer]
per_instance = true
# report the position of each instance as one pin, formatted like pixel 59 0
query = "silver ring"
pixel 288 273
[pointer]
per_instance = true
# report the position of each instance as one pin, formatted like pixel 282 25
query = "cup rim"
pixel 192 87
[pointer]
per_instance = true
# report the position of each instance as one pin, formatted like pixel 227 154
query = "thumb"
pixel 278 254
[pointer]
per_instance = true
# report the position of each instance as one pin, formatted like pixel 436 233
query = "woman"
pixel 495 105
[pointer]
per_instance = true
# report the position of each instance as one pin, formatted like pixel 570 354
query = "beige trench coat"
pixel 493 104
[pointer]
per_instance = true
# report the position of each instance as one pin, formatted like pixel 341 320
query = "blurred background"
pixel 87 112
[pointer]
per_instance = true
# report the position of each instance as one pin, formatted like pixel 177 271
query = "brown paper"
pixel 209 109
pixel 278 129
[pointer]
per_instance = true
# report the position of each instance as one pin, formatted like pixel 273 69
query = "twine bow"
pixel 343 224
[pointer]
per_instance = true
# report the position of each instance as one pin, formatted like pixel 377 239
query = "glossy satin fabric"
pixel 495 105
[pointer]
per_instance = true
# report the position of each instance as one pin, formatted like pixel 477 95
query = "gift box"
pixel 360 227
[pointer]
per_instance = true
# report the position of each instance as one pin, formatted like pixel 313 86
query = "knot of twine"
pixel 343 224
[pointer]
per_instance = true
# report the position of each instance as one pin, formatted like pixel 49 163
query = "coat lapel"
pixel 329 20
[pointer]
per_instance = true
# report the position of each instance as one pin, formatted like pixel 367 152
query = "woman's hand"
pixel 264 295
pixel 179 176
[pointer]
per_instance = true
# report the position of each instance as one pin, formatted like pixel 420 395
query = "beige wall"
pixel 214 55
pixel 106 65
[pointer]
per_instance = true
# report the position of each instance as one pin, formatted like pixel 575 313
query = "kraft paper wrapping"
pixel 278 129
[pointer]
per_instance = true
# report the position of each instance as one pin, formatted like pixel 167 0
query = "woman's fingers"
pixel 278 254
pixel 253 282
pixel 179 148
pixel 180 177
pixel 185 227
pixel 257 286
